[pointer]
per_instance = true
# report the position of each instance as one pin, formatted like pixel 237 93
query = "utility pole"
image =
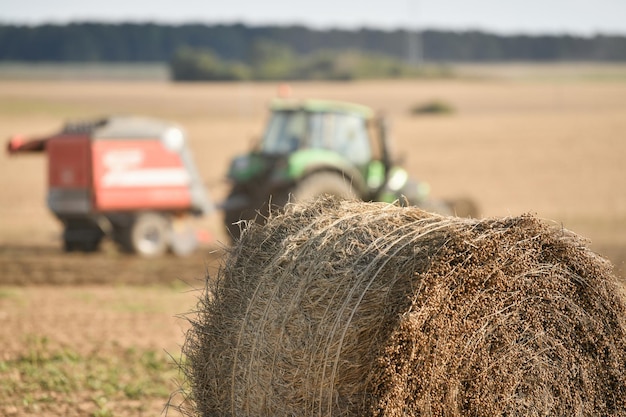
pixel 414 39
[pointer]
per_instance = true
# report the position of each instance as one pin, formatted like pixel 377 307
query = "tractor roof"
pixel 313 105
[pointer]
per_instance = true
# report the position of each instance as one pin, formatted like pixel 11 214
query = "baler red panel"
pixel 138 174
pixel 69 162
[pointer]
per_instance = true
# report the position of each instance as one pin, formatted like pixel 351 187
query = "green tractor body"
pixel 316 147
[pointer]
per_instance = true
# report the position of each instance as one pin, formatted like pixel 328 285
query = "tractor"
pixel 316 147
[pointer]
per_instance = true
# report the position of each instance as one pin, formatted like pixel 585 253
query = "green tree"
pixel 189 64
pixel 272 60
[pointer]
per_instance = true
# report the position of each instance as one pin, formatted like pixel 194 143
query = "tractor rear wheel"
pixel 464 207
pixel 437 207
pixel 323 183
pixel 309 188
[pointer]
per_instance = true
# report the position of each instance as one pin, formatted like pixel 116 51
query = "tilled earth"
pixel 102 307
pixel 48 264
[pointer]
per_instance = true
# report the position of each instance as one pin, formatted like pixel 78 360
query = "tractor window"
pixel 284 133
pixel 343 133
pixel 351 139
pixel 322 126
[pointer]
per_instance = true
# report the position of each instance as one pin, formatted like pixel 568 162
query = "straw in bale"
pixel 342 308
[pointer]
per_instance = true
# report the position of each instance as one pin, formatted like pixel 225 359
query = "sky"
pixel 575 17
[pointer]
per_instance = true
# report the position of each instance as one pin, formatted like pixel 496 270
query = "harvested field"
pixel 548 146
pixel 90 350
pixel 49 265
pixel 357 309
pixel 536 143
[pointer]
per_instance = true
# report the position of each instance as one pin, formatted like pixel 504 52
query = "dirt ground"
pixel 94 324
pixel 553 147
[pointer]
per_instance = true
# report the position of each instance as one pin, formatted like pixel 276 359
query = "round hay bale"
pixel 340 308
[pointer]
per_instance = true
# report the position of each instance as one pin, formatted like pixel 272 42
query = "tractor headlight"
pixel 397 180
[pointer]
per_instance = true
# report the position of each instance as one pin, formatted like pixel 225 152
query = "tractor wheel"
pixel 148 235
pixel 322 183
pixel 309 188
pixel 437 207
pixel 464 207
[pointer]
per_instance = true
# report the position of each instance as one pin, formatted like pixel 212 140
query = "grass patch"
pixel 46 379
pixel 10 294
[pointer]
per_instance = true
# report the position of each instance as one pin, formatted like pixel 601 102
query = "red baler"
pixel 129 177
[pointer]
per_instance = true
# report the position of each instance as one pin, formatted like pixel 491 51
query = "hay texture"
pixel 342 308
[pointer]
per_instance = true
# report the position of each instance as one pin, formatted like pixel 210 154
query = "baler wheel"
pixel 148 235
pixel 81 235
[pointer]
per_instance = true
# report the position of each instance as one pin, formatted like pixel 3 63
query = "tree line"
pixel 271 61
pixel 237 51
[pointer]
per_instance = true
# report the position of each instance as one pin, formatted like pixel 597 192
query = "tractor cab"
pixel 316 147
pixel 302 137
pixel 310 148
pixel 319 125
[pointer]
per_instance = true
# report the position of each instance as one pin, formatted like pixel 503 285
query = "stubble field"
pixel 78 332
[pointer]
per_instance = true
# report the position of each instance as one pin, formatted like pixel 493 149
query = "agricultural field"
pixel 98 334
